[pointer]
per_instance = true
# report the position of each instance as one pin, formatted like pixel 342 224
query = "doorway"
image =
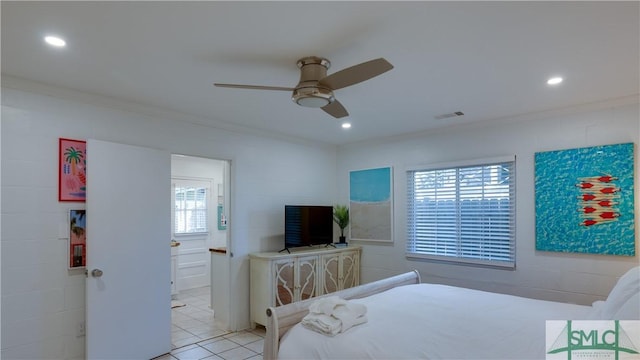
pixel 200 206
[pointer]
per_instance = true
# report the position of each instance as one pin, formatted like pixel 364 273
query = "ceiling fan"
pixel 315 88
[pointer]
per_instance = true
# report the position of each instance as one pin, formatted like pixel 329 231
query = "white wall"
pixel 554 276
pixel 42 301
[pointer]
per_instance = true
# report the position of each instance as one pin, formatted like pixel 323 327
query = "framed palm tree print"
pixel 72 166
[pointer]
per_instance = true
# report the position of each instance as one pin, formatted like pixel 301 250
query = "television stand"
pixel 310 246
pixel 280 278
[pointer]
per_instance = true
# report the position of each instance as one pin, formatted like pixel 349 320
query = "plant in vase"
pixel 341 217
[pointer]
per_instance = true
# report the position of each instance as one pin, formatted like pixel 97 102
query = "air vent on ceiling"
pixel 445 116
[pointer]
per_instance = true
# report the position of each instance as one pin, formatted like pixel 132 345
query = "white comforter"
pixel 427 321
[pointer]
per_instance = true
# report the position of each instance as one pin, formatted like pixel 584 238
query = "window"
pixel 463 213
pixel 191 207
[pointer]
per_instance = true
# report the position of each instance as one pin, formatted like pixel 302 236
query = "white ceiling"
pixel 487 59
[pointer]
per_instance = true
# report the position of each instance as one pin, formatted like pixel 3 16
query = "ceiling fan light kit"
pixel 315 97
pixel 308 93
pixel 315 88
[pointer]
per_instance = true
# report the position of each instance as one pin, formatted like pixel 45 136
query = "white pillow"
pixel 596 311
pixel 627 286
pixel 630 310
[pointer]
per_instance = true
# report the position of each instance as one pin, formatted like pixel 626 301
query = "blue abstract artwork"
pixel 584 200
pixel 370 204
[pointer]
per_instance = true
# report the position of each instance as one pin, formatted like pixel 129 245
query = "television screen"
pixel 306 225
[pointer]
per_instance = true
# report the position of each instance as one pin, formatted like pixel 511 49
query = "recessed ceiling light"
pixel 554 80
pixel 55 41
pixel 346 125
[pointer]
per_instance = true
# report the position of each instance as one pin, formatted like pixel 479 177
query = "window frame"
pixel 196 183
pixel 459 258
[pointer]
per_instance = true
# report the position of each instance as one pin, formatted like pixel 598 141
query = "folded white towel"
pixel 324 324
pixel 350 314
pixel 333 315
pixel 326 305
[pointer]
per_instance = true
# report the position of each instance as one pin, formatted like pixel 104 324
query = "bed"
pixel 407 319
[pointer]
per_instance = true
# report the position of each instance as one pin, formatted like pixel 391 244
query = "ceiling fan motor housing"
pixel 308 92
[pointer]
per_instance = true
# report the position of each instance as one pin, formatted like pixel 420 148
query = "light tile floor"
pixel 194 322
pixel 195 334
pixel 234 346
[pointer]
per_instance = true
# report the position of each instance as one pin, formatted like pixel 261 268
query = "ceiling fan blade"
pixel 355 74
pixel 254 87
pixel 335 109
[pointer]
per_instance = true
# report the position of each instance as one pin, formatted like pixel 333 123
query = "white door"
pixel 193 226
pixel 128 242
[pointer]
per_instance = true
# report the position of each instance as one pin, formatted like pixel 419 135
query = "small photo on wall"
pixel 77 239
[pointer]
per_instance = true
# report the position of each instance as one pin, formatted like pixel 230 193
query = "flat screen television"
pixel 307 225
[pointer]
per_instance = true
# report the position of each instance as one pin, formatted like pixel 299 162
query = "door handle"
pixel 96 273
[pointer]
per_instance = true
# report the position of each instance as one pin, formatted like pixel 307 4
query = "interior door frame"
pixel 229 195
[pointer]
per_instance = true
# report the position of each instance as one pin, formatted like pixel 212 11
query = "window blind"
pixel 463 214
pixel 191 212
